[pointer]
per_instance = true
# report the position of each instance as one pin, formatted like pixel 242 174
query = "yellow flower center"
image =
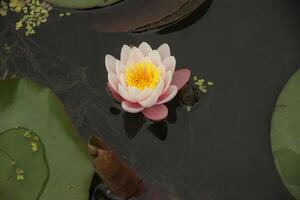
pixel 142 75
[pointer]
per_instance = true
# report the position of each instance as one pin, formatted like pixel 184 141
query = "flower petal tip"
pixel 132 107
pixel 181 77
pixel 156 112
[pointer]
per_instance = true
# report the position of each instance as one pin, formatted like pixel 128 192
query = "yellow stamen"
pixel 142 75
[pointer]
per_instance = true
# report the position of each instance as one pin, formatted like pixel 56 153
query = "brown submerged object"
pixel 120 179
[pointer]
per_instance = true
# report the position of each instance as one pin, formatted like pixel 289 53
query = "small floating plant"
pixel 191 94
pixel 32 13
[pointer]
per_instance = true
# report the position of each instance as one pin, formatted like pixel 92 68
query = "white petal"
pixel 155 57
pixel 122 80
pixel 147 59
pixel 162 71
pixel 135 55
pixel 145 48
pixel 125 94
pixel 110 63
pixel 113 81
pixel 150 101
pixel 167 80
pixel 140 95
pixel 132 108
pixel 170 64
pixel 168 95
pixel 125 54
pixel 164 51
pixel 120 68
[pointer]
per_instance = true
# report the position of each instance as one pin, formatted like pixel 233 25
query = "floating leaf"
pixel 24 103
pixel 132 14
pixel 180 14
pixel 82 4
pixel 285 135
pixel 24 174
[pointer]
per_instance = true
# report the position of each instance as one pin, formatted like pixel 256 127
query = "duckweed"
pixel 20 174
pixel 33 13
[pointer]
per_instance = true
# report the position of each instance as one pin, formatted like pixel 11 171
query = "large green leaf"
pixel 285 135
pixel 24 103
pixel 82 4
pixel 24 169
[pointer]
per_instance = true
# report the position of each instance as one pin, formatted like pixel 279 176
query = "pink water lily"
pixel 144 79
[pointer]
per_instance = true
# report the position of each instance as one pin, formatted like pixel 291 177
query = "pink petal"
pixel 170 63
pixel 181 77
pixel 132 107
pixel 156 112
pixel 145 48
pixel 168 95
pixel 164 51
pixel 114 94
pixel 110 64
pixel 113 80
pixel 125 54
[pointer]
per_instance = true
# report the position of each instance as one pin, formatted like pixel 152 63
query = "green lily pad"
pixel 82 4
pixel 23 165
pixel 24 103
pixel 285 135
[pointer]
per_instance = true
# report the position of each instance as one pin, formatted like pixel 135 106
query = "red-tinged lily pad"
pixel 131 14
pixel 24 103
pixel 285 135
pixel 179 15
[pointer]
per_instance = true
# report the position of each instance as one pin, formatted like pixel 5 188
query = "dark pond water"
pixel 220 150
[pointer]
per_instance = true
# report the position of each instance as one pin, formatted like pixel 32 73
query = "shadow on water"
pixel 134 122
pixel 189 95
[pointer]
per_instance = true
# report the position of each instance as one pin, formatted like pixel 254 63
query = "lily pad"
pixel 179 15
pixel 24 168
pixel 82 4
pixel 24 103
pixel 285 135
pixel 132 14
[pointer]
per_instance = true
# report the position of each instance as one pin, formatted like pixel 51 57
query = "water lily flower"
pixel 144 79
